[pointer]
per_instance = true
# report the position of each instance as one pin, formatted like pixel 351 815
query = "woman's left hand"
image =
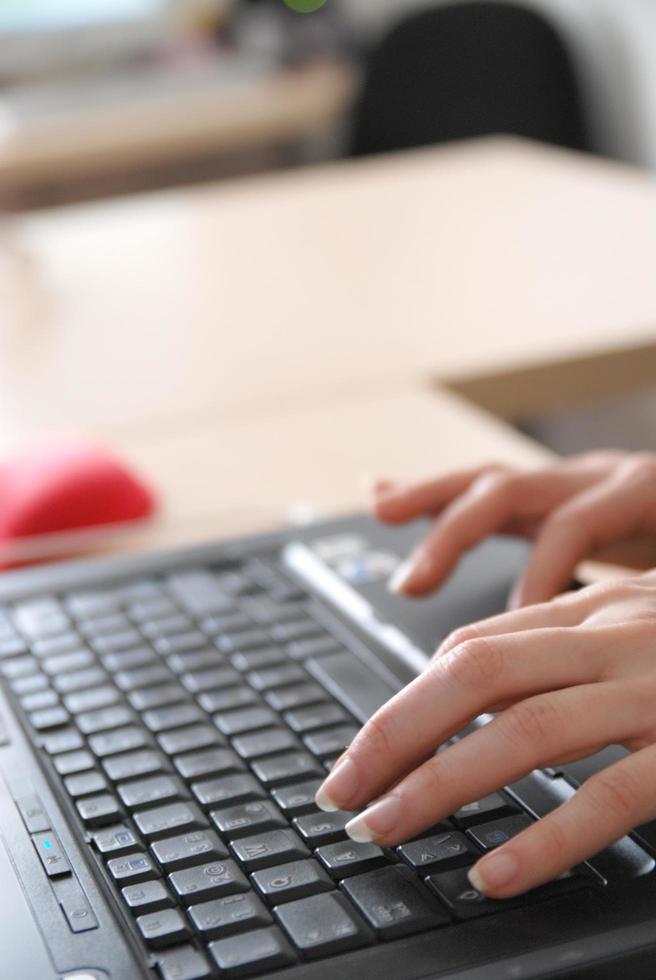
pixel 568 677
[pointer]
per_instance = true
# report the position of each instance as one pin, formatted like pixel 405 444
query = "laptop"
pixel 165 722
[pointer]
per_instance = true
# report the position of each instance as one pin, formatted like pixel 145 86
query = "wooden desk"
pixel 220 478
pixel 478 265
pixel 276 108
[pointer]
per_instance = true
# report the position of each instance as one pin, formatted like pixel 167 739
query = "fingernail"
pixel 402 574
pixel 340 786
pixel 494 872
pixel 375 822
pixel 515 599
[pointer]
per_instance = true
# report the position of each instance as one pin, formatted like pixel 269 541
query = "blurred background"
pixel 102 99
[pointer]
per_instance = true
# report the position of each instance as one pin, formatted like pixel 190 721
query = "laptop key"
pixel 314 647
pixel 149 896
pixel 394 902
pixel 91 699
pixel 265 742
pixel 228 790
pixel 317 829
pixel 185 739
pixel 155 789
pixel 99 810
pixel 180 643
pixel 245 720
pixel 445 851
pixel 73 762
pixel 266 849
pixel 174 853
pixel 104 719
pixel 166 820
pixel 318 716
pixel 63 741
pixel 297 629
pixel 146 698
pixel 298 798
pixel 165 928
pixel 331 742
pixel 205 881
pixel 174 716
pixel 255 952
pixel 206 680
pixel 497 832
pixel 322 925
pixel 289 882
pixel 85 784
pixel 247 660
pixel 272 677
pixel 39 700
pixel 48 718
pixel 29 684
pixel 229 623
pixel 246 819
pixel 246 640
pixel 203 659
pixel 298 696
pixel 113 642
pixel 132 868
pixel 184 963
pixel 166 625
pixel 129 680
pixel 479 811
pixel 348 858
pixel 121 740
pixel 276 770
pixel 78 680
pixel 128 659
pixel 229 916
pixel 210 762
pixel 460 896
pixel 116 840
pixel 236 697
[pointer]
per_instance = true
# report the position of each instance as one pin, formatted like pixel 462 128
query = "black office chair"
pixel 469 69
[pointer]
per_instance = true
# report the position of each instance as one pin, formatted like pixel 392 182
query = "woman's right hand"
pixel 570 510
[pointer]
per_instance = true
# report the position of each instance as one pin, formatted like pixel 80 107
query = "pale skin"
pixel 566 674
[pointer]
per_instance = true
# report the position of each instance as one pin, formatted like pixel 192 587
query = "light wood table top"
pixel 220 478
pixel 271 108
pixel 484 264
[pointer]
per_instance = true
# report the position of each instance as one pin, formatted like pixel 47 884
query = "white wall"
pixel 614 46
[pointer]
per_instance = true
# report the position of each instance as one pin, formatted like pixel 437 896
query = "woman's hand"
pixel 570 510
pixel 568 677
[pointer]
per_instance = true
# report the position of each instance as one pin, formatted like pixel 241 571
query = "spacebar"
pixel 352 683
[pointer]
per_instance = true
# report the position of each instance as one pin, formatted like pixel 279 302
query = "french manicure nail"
pixel 375 822
pixel 398 580
pixel 494 872
pixel 340 786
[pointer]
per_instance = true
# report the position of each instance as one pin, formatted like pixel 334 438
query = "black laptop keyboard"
pixel 184 719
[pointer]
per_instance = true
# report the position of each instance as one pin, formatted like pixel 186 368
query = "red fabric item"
pixel 65 485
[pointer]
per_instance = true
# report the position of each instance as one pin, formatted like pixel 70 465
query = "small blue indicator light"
pixel 47 844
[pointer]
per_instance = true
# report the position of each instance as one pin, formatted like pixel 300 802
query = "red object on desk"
pixel 67 485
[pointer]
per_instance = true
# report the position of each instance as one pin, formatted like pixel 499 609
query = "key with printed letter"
pixel 394 902
pixel 323 924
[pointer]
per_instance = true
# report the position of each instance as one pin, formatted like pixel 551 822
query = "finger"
pixel 398 504
pixel 606 807
pixel 521 739
pixel 490 503
pixel 401 503
pixel 454 690
pixel 567 610
pixel 602 514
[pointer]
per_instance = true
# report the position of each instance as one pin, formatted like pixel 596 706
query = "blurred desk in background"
pixel 519 274
pixel 66 138
pixel 277 339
